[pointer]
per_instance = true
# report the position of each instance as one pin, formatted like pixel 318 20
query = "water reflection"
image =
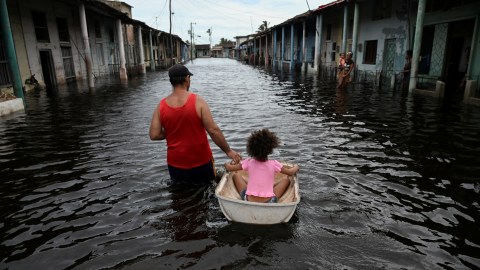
pixel 341 99
pixel 388 180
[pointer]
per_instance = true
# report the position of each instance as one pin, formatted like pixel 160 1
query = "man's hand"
pixel 234 156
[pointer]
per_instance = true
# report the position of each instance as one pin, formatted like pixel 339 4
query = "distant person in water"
pixel 341 66
pixel 183 118
pixel 261 185
pixel 407 66
pixel 344 77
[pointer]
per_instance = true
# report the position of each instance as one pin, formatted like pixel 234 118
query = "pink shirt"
pixel 261 176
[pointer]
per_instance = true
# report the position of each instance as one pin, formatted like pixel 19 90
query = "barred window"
pixel 382 10
pixel 98 30
pixel 329 32
pixel 370 52
pixel 5 78
pixel 62 26
pixel 41 27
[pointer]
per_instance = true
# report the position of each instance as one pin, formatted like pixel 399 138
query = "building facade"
pixel 379 33
pixel 58 41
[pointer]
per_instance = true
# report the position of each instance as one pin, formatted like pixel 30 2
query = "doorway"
pixel 389 58
pixel 48 70
pixel 458 54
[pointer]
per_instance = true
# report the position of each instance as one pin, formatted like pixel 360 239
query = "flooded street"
pixel 388 181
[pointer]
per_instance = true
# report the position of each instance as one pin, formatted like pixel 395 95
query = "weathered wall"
pixel 396 27
pixel 102 51
pixel 333 45
pixel 17 32
pixel 32 46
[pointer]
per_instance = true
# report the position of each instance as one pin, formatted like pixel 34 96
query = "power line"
pixel 241 12
pixel 160 14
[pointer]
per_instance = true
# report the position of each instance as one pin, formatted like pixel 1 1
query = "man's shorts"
pixel 200 175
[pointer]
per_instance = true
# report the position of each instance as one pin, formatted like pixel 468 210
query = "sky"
pixel 226 18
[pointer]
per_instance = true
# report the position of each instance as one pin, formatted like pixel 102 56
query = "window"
pixel 68 65
pixel 5 78
pixel 62 26
pixel 100 54
pixel 40 25
pixel 382 10
pixel 111 35
pixel 370 52
pixel 98 30
pixel 329 32
pixel 350 29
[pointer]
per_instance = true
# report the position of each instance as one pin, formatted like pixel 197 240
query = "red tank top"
pixel 187 143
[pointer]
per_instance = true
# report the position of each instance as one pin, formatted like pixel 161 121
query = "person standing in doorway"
pixel 408 66
pixel 183 118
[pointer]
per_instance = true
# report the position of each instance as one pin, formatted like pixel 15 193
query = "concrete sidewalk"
pixel 11 106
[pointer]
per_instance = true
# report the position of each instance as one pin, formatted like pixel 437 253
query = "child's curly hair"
pixel 261 143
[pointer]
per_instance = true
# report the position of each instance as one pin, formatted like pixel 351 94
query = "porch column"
pixel 121 50
pixel 254 48
pixel 318 41
pixel 474 48
pixel 140 50
pixel 274 58
pixel 259 49
pixel 86 45
pixel 304 46
pixel 10 50
pixel 356 17
pixel 345 28
pixel 292 51
pixel 283 45
pixel 266 50
pixel 417 43
pixel 152 60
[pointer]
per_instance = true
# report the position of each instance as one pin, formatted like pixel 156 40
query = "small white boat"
pixel 238 210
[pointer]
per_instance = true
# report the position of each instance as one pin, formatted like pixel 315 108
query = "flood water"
pixel 388 180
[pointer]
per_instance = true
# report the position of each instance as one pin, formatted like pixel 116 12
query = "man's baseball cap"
pixel 178 70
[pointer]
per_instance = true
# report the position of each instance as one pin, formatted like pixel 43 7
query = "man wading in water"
pixel 184 119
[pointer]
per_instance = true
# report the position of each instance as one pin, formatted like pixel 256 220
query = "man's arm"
pixel 214 131
pixel 156 130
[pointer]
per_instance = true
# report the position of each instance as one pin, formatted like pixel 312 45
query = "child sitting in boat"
pixel 261 185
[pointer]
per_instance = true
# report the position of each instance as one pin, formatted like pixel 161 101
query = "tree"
pixel 224 41
pixel 263 26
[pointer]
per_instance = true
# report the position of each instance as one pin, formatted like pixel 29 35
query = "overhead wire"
pixel 160 14
pixel 232 15
pixel 241 12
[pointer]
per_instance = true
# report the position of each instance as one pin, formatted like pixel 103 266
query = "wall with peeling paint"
pixel 395 27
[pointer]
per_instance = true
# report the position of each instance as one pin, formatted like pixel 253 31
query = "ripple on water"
pixel 388 181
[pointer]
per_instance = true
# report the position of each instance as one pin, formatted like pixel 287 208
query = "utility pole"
pixel 210 36
pixel 171 38
pixel 191 41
